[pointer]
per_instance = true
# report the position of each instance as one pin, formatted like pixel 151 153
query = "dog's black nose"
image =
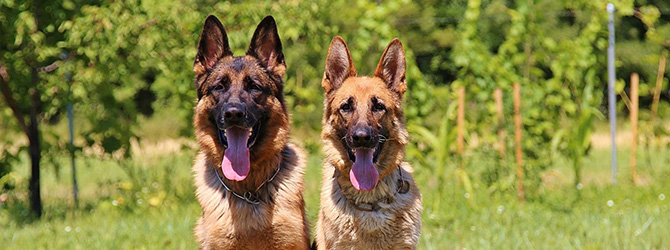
pixel 361 137
pixel 233 113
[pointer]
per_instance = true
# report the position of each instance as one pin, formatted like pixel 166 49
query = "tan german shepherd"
pixel 249 178
pixel 368 199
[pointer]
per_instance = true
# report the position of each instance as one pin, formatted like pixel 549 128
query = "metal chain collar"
pixel 250 197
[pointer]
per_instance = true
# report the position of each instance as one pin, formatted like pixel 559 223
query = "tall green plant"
pixel 435 149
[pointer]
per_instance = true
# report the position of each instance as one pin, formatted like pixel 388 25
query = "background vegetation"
pixel 126 67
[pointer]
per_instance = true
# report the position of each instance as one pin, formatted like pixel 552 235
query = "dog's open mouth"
pixel 363 174
pixel 236 142
pixel 352 153
pixel 223 139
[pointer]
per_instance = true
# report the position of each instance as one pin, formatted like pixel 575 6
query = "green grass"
pixel 148 203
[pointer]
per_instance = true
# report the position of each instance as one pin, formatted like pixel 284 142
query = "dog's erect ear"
pixel 213 45
pixel 391 67
pixel 339 65
pixel 266 46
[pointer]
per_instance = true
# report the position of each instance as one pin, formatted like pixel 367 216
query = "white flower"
pixel 580 186
pixel 467 195
pixel 661 196
pixel 501 208
pixel 68 229
pixel 610 203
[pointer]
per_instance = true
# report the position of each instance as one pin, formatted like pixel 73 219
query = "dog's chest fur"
pixel 396 225
pixel 228 222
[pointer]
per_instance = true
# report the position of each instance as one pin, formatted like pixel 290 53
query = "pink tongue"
pixel 363 174
pixel 236 163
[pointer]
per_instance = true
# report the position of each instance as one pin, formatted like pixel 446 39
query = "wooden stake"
pixel 634 83
pixel 498 96
pixel 460 123
pixel 659 85
pixel 517 140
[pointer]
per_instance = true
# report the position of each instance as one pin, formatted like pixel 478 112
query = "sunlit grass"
pixel 153 207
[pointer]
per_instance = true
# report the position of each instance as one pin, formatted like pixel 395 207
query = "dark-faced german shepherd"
pixel 368 199
pixel 249 178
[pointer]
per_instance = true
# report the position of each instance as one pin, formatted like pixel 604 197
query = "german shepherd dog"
pixel 249 178
pixel 368 199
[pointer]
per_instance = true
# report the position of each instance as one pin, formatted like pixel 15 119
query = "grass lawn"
pixel 148 203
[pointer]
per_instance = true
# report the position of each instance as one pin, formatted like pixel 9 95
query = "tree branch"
pixel 53 66
pixel 149 23
pixel 11 102
pixel 49 68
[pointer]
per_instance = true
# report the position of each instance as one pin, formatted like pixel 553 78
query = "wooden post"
pixel 517 140
pixel 634 83
pixel 659 85
pixel 498 96
pixel 460 123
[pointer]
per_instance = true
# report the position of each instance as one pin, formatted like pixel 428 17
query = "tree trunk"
pixel 34 148
pixel 31 129
pixel 33 132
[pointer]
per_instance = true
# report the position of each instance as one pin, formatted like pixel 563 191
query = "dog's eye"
pixel 378 107
pixel 256 87
pixel 220 86
pixel 252 85
pixel 216 88
pixel 345 107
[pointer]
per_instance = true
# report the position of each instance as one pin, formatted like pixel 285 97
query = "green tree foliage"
pixel 128 59
pixel 128 48
pixel 32 92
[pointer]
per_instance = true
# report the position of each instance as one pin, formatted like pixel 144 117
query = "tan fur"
pixel 228 222
pixel 341 226
pixel 397 224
